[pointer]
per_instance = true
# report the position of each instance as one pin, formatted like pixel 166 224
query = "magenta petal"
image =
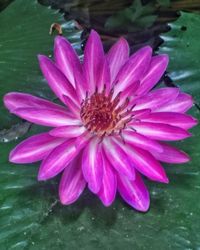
pixel 14 100
pixel 171 154
pixel 72 106
pixel 159 131
pixel 46 117
pixel 133 69
pixel 109 184
pixel 134 192
pixel 104 77
pixel 56 79
pixel 141 141
pixel 171 118
pixel 67 131
pixel 92 165
pixel 181 104
pixel 144 162
pixel 66 59
pixel 93 60
pixel 157 98
pixel 35 148
pixel 117 56
pixel 157 68
pixel 57 160
pixel 72 182
pixel 118 158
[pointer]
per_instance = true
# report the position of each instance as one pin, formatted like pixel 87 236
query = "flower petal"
pixel 35 148
pixel 159 131
pixel 118 158
pixel 93 59
pixel 134 192
pixel 66 59
pixel 133 69
pixel 104 77
pixel 57 160
pixel 109 184
pixel 92 165
pixel 46 117
pixel 172 118
pixel 144 162
pixel 14 100
pixel 181 104
pixel 67 131
pixel 157 68
pixel 56 79
pixel 72 182
pixel 156 98
pixel 141 141
pixel 171 154
pixel 117 56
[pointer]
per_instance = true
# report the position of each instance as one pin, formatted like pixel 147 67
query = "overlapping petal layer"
pixel 113 127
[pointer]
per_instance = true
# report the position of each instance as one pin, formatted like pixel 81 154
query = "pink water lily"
pixel 113 127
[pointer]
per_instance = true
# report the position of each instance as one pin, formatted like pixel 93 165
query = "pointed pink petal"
pixel 46 117
pixel 157 98
pixel 67 131
pixel 159 131
pixel 139 114
pixel 72 106
pixel 56 79
pixel 14 100
pixel 93 59
pixel 133 69
pixel 171 154
pixel 141 141
pixel 157 68
pixel 117 56
pixel 35 148
pixel 72 182
pixel 118 158
pixel 134 192
pixel 109 184
pixel 57 160
pixel 92 165
pixel 104 77
pixel 172 118
pixel 181 104
pixel 129 91
pixel 66 59
pixel 144 162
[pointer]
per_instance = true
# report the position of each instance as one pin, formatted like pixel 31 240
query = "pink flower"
pixel 114 127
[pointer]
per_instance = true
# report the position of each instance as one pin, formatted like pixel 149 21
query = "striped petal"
pixel 67 131
pixel 15 100
pixel 56 79
pixel 159 131
pixel 46 117
pixel 35 148
pixel 157 68
pixel 144 162
pixel 109 184
pixel 141 141
pixel 118 158
pixel 66 59
pixel 171 118
pixel 93 59
pixel 72 182
pixel 134 192
pixel 181 104
pixel 171 154
pixel 92 165
pixel 117 56
pixel 133 69
pixel 57 160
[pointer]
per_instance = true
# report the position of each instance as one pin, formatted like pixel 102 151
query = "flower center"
pixel 103 115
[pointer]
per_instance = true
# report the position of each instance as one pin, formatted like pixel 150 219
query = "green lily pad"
pixel 182 45
pixel 31 216
pixel 25 29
